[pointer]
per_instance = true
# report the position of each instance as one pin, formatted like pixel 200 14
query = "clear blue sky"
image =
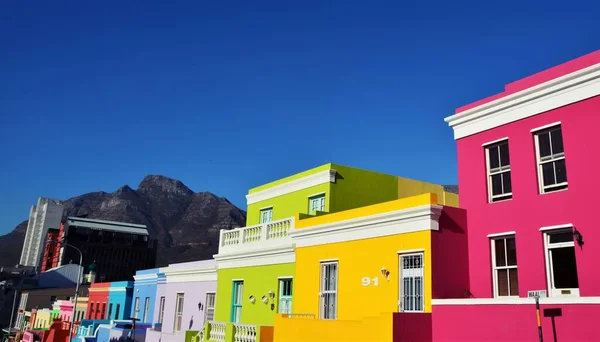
pixel 229 95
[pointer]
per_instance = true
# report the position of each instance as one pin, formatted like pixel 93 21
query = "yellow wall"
pixel 358 259
pixel 373 329
pixel 410 187
pixel 42 319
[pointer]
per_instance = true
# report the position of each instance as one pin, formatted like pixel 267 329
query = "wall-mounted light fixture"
pixel 200 306
pixel 385 273
pixel 578 237
pixel 265 299
pixel 252 299
pixel 271 294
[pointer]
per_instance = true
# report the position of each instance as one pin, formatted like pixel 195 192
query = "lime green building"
pixel 256 263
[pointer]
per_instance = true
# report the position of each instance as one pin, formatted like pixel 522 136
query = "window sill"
pixel 553 192
pixel 499 201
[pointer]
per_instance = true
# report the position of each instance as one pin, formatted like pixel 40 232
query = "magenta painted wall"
pixel 515 323
pixel 412 327
pixel 527 211
pixel 449 255
pixel 539 78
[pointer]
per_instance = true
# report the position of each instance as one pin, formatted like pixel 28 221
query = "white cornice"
pixel 396 222
pixel 146 277
pixel 517 301
pixel 570 88
pixel 190 275
pixel 257 257
pixel 326 176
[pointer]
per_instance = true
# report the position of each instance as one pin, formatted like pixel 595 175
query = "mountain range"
pixel 185 223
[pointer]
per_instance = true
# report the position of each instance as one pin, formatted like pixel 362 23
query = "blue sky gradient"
pixel 225 96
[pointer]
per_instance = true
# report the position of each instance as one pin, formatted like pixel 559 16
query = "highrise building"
pixel 43 216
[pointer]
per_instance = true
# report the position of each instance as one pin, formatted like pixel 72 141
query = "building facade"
pixel 144 295
pixel 185 300
pixel 527 182
pixel 43 216
pixel 120 297
pixel 116 249
pixel 98 299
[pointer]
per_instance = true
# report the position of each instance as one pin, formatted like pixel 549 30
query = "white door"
pixel 328 294
pixel 411 283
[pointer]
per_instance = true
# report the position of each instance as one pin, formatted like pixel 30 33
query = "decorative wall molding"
pixel 517 301
pixel 326 176
pixel 396 222
pixel 257 257
pixel 191 275
pixel 561 91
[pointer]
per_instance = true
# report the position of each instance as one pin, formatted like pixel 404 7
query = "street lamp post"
pixel 77 284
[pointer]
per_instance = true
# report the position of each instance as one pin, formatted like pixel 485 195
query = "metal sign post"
pixel 539 317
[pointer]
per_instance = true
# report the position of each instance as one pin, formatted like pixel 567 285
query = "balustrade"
pixel 244 333
pixel 217 331
pixel 232 240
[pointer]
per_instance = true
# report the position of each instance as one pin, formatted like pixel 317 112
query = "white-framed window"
pixel 161 310
pixel 266 215
pixel 209 308
pixel 316 203
pixel 412 288
pixel 328 294
pixel 136 307
pixel 146 309
pixel 285 296
pixel 498 171
pixel 561 265
pixel 238 298
pixel 504 264
pixel 178 312
pixel 552 170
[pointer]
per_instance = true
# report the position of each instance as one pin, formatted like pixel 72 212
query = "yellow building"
pixel 356 268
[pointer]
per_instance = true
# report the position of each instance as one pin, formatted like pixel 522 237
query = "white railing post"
pixel 264 232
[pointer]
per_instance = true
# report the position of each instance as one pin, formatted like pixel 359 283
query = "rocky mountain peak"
pixel 165 185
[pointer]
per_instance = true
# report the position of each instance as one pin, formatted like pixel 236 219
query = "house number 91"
pixel 366 281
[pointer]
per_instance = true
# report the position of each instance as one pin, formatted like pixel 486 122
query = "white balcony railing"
pixel 254 236
pixel 244 333
pixel 217 331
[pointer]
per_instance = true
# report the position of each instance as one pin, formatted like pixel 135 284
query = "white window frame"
pixel 324 293
pixel 178 311
pixel 136 307
pixel 419 272
pixel 496 268
pixel 553 292
pixel 146 309
pixel 210 305
pixel 551 159
pixel 316 203
pixel 499 170
pixel 283 298
pixel 268 217
pixel 161 310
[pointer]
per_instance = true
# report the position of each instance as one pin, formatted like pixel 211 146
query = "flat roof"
pixel 121 227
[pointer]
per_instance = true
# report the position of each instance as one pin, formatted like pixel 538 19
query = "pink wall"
pixel 518 322
pixel 539 78
pixel 412 327
pixel 527 211
pixel 449 255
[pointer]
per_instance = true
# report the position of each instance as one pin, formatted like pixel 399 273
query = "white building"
pixel 46 214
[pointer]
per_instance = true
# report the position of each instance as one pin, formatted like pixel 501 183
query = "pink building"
pixel 527 172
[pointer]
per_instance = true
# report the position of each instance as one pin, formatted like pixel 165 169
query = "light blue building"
pixel 120 296
pixel 144 295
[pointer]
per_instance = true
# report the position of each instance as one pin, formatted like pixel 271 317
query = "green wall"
pixel 258 280
pixel 287 205
pixel 356 188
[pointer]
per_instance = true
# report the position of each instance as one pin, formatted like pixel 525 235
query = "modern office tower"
pixel 43 216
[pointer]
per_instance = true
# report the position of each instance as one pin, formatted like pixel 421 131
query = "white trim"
pixel 237 279
pixel 191 275
pixel 494 142
pixel 409 251
pixel 325 176
pixel 257 257
pixel 285 277
pixel 501 234
pixel 558 92
pixel 559 226
pixel 142 277
pixel 507 267
pixel 415 219
pixel 553 292
pixel 329 260
pixel 317 194
pixel 541 128
pixel 264 208
pixel 517 301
